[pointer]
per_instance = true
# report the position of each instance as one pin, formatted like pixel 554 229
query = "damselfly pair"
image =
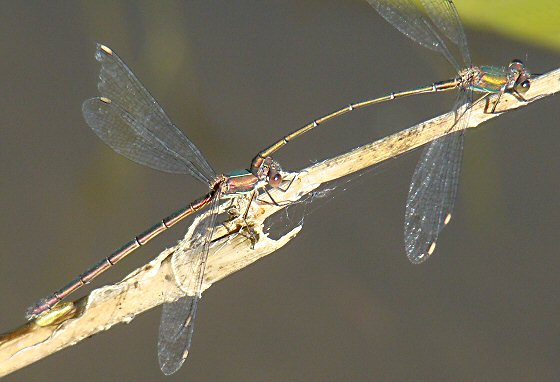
pixel 130 121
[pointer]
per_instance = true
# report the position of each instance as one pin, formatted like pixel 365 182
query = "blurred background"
pixel 341 301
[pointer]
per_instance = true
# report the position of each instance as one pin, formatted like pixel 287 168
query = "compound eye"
pixel 524 86
pixel 517 65
pixel 275 180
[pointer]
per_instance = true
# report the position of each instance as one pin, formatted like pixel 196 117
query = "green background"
pixel 533 22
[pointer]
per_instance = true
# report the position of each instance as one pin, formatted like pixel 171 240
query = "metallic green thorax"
pixel 237 173
pixel 490 79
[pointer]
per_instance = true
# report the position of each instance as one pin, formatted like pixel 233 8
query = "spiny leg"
pixel 231 209
pixel 274 202
pixel 289 184
pixel 518 96
pixel 513 91
pixel 251 232
pixel 500 93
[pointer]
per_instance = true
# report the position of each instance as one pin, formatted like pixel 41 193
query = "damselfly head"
pixel 269 170
pixel 272 171
pixel 521 75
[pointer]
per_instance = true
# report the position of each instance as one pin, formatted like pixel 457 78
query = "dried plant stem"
pixel 155 283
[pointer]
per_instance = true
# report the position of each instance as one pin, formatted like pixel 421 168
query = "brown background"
pixel 341 302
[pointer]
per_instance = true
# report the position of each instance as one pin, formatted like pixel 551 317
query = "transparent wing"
pixel 408 18
pixel 434 187
pixel 132 123
pixel 177 320
pixel 445 16
pixel 175 333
